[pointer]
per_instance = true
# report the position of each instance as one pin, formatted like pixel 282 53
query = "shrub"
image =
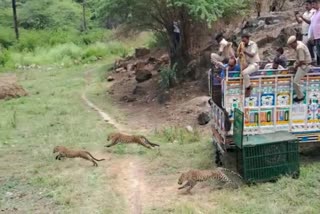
pixel 4 57
pixel 168 77
pixel 7 37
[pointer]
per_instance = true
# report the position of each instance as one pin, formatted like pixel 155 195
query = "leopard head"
pixel 182 178
pixel 110 136
pixel 56 149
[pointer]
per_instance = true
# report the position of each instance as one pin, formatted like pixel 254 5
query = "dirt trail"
pixel 106 117
pixel 130 182
pixel 130 174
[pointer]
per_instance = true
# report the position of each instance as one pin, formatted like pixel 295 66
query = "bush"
pixel 4 57
pixel 168 77
pixel 158 40
pixel 7 37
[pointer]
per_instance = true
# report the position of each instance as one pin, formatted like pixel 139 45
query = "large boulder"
pixel 140 52
pixel 143 75
pixel 204 118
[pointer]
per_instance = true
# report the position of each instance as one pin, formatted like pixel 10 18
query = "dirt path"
pixel 104 116
pixel 130 174
pixel 130 182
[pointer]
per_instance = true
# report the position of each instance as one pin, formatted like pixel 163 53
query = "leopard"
pixel 68 153
pixel 192 177
pixel 118 137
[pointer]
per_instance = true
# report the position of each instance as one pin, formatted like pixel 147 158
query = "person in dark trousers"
pixel 176 32
pixel 305 20
pixel 314 30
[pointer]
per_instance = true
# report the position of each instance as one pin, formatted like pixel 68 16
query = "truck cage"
pixel 269 108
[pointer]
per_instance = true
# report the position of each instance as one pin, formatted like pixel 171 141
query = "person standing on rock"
pixel 305 21
pixel 314 30
pixel 302 65
pixel 248 52
pixel 176 32
pixel 258 4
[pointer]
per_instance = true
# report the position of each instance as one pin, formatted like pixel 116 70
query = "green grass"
pixel 53 114
pixel 64 48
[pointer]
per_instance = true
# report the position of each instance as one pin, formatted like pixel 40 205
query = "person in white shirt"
pixel 225 50
pixel 276 64
pixel 305 21
pixel 176 31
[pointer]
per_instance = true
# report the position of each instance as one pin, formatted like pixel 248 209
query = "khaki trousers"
pixel 301 72
pixel 246 73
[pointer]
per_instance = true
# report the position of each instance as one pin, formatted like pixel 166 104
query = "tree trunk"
pixel 15 20
pixel 179 53
pixel 84 15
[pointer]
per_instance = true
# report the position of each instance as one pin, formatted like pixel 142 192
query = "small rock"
pixel 143 75
pixel 203 118
pixel 139 90
pixel 152 60
pixel 130 67
pixel 164 97
pixel 128 99
pixel 165 58
pixel 139 65
pixel 120 70
pixel 110 78
pixel 189 129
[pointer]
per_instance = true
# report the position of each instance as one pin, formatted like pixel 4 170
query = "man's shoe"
pixel 297 100
pixel 248 91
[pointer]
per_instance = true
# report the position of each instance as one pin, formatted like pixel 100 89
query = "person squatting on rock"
pixel 276 64
pixel 302 65
pixel 248 50
pixel 225 50
pixel 305 20
pixel 314 30
pixel 283 59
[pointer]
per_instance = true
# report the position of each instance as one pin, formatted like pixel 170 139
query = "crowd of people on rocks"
pixel 246 59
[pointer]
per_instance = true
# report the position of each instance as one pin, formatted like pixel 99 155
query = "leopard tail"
pixel 94 157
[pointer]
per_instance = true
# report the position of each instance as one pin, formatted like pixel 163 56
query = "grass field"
pixel 31 181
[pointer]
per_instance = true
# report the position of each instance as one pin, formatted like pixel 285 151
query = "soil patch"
pixel 9 88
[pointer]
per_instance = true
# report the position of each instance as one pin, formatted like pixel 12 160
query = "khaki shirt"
pixel 226 49
pixel 303 53
pixel 252 48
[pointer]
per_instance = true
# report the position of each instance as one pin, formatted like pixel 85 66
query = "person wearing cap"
pixel 251 55
pixel 302 65
pixel 314 30
pixel 225 49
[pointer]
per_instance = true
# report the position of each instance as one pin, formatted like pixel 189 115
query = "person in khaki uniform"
pixel 302 65
pixel 249 53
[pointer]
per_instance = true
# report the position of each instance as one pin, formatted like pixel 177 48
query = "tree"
pixel 84 17
pixel 15 19
pixel 159 15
